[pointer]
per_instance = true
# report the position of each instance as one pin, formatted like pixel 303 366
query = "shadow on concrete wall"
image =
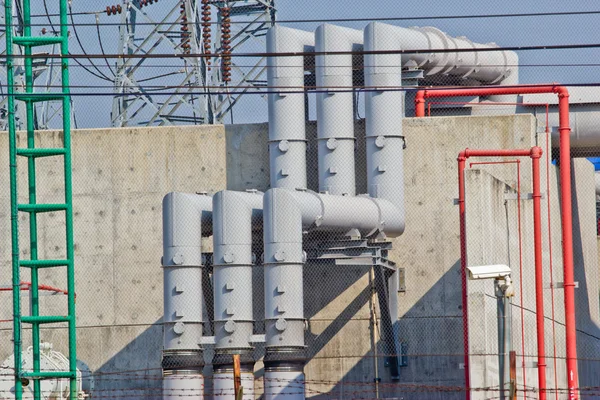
pixel 588 331
pixel 432 373
pixel 134 372
pixel 434 347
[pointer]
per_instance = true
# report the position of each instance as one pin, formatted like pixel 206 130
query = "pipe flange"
pixel 476 54
pixel 507 71
pixel 380 226
pixel 440 61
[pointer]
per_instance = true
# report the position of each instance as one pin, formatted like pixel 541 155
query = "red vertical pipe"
pixel 565 195
pixel 536 154
pixel 567 237
pixel 463 270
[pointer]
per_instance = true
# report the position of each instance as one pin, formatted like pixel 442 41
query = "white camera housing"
pixel 488 271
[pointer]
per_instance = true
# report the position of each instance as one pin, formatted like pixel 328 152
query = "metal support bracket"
pixel 352 252
pixel 524 196
pixel 561 285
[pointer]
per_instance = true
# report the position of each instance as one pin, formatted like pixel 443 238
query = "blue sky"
pixel 522 31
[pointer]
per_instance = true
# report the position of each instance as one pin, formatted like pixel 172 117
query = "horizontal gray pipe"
pixel 489 67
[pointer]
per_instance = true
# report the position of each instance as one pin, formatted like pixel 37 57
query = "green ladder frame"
pixel 31 153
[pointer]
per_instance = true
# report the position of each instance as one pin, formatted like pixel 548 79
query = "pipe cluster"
pixel 279 219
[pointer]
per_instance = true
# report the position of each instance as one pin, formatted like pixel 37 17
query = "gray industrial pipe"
pixel 287 131
pixel 237 216
pixel 286 215
pixel 383 121
pixel 186 219
pixel 335 108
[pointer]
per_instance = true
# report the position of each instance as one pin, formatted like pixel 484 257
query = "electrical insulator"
pixel 114 10
pixel 226 44
pixel 206 31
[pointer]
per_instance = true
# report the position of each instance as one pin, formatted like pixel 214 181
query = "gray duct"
pixel 383 121
pixel 237 217
pixel 287 131
pixel 186 219
pixel 335 108
pixel 489 67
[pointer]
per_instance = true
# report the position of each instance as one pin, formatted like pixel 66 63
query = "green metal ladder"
pixel 33 208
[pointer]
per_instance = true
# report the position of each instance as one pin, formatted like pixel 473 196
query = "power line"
pixel 381 19
pixel 168 90
pixel 361 67
pixel 325 53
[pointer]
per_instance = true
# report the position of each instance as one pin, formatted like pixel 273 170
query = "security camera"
pixel 488 271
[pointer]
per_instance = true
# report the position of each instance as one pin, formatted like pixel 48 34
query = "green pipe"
pixel 14 212
pixel 31 177
pixel 64 46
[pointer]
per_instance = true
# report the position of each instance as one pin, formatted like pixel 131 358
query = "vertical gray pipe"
pixel 335 108
pixel 237 217
pixel 502 351
pixel 186 218
pixel 287 125
pixel 385 175
pixel 284 298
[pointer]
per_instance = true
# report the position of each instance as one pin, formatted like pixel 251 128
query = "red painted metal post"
pixel 536 154
pixel 567 237
pixel 565 197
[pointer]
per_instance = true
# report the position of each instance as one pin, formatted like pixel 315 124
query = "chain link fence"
pixel 314 297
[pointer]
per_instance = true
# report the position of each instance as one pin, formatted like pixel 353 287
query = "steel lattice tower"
pixel 45 74
pixel 198 90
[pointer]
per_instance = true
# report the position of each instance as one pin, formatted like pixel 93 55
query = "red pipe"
pixel 535 153
pixel 565 197
pixel 539 273
pixel 27 286
pixel 463 270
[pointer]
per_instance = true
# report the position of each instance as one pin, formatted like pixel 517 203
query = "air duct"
pixel 186 219
pixel 237 217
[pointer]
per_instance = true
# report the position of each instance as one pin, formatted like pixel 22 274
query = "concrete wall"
pixel 120 178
